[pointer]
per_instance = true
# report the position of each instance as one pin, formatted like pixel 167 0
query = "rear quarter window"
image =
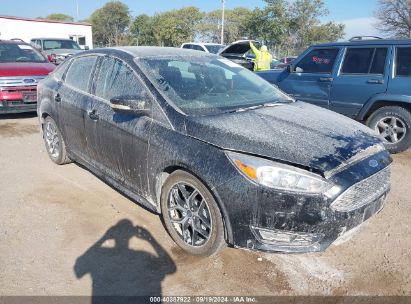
pixel 403 62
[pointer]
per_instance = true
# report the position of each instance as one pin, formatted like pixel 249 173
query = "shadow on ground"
pixel 117 270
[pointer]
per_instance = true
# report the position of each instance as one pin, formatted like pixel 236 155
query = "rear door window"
pixel 78 75
pixel 403 62
pixel 197 48
pixel 364 61
pixel 318 61
pixel 187 46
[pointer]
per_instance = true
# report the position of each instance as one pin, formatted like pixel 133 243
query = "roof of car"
pixel 51 38
pixel 13 41
pixel 149 51
pixel 368 42
pixel 203 43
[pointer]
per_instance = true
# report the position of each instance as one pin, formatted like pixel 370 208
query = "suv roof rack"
pixel 358 38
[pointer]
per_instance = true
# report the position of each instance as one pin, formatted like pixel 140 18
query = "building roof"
pixel 44 21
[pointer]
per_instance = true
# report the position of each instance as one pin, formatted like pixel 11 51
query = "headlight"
pixel 279 176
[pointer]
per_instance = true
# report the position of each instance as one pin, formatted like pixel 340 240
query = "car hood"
pixel 296 133
pixel 238 48
pixel 12 69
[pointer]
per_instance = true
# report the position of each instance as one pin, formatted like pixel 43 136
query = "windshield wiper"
pixel 264 105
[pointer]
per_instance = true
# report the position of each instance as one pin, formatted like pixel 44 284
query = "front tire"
pixel 55 145
pixel 191 215
pixel 393 124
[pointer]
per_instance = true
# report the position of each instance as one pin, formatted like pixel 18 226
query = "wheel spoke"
pixel 177 199
pixel 394 137
pixel 400 130
pixel 191 197
pixel 382 125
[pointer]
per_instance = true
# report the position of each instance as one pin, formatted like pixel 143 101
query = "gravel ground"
pixel 58 223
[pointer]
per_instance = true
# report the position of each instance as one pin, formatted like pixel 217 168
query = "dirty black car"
pixel 222 155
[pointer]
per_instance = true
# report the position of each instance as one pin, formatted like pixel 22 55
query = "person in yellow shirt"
pixel 263 58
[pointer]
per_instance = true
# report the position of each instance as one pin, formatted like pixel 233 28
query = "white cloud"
pixel 360 27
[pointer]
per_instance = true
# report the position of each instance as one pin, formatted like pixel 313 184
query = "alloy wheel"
pixel 52 139
pixel 391 129
pixel 189 214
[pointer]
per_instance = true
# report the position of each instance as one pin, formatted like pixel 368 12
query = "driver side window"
pixel 318 61
pixel 116 79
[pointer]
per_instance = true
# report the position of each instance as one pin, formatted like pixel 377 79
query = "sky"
pixel 357 15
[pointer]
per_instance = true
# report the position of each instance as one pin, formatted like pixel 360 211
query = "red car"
pixel 284 62
pixel 21 67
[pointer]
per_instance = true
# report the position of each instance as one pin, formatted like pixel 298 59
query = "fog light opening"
pixel 288 240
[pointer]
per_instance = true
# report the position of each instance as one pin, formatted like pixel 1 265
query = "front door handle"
pixel 375 81
pixel 57 97
pixel 93 115
pixel 325 79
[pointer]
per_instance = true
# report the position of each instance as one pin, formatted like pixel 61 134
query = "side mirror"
pixel 86 48
pixel 290 68
pixel 130 105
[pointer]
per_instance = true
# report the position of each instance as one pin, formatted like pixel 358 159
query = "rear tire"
pixel 191 215
pixel 55 145
pixel 393 124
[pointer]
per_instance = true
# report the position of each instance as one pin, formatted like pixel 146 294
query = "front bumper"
pixel 18 94
pixel 270 220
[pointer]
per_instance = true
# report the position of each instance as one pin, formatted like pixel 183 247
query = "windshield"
pixel 203 85
pixel 214 48
pixel 19 53
pixel 60 44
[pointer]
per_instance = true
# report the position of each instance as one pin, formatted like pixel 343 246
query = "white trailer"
pixel 26 29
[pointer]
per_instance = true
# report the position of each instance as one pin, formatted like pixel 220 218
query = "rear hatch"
pixel 236 52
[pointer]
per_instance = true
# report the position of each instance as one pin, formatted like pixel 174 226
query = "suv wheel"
pixel 191 215
pixel 56 148
pixel 393 124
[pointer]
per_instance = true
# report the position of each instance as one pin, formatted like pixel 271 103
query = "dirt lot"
pixel 55 239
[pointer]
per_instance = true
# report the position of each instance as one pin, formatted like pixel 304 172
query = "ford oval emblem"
pixel 29 80
pixel 373 163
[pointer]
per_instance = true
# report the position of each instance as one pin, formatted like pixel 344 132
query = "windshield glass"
pixel 60 44
pixel 214 48
pixel 203 85
pixel 19 53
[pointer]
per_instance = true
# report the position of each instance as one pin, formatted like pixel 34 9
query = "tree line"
pixel 286 26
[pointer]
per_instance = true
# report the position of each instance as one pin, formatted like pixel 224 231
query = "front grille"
pixel 364 192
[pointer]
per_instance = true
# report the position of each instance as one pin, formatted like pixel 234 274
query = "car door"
pixel 119 141
pixel 310 78
pixel 361 76
pixel 74 102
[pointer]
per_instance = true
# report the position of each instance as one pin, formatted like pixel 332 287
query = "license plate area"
pixel 29 97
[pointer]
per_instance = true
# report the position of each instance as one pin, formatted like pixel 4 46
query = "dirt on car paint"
pixel 52 216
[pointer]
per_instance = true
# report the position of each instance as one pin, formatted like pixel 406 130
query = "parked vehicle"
pixel 368 80
pixel 213 48
pixel 57 49
pixel 239 52
pixel 284 62
pixel 223 155
pixel 21 67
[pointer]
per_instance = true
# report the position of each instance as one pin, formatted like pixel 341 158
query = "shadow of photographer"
pixel 118 270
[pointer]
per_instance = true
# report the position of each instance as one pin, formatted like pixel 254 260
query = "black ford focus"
pixel 222 155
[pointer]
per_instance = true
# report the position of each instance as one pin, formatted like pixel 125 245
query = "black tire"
pixel 380 121
pixel 210 212
pixel 55 145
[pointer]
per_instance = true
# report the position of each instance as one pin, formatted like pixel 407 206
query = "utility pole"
pixel 77 11
pixel 222 22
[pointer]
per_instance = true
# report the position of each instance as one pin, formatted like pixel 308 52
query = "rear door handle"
pixel 325 79
pixel 375 81
pixel 93 115
pixel 57 97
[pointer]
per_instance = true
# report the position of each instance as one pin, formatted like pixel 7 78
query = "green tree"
pixel 141 30
pixel 174 27
pixel 235 26
pixel 110 24
pixel 57 17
